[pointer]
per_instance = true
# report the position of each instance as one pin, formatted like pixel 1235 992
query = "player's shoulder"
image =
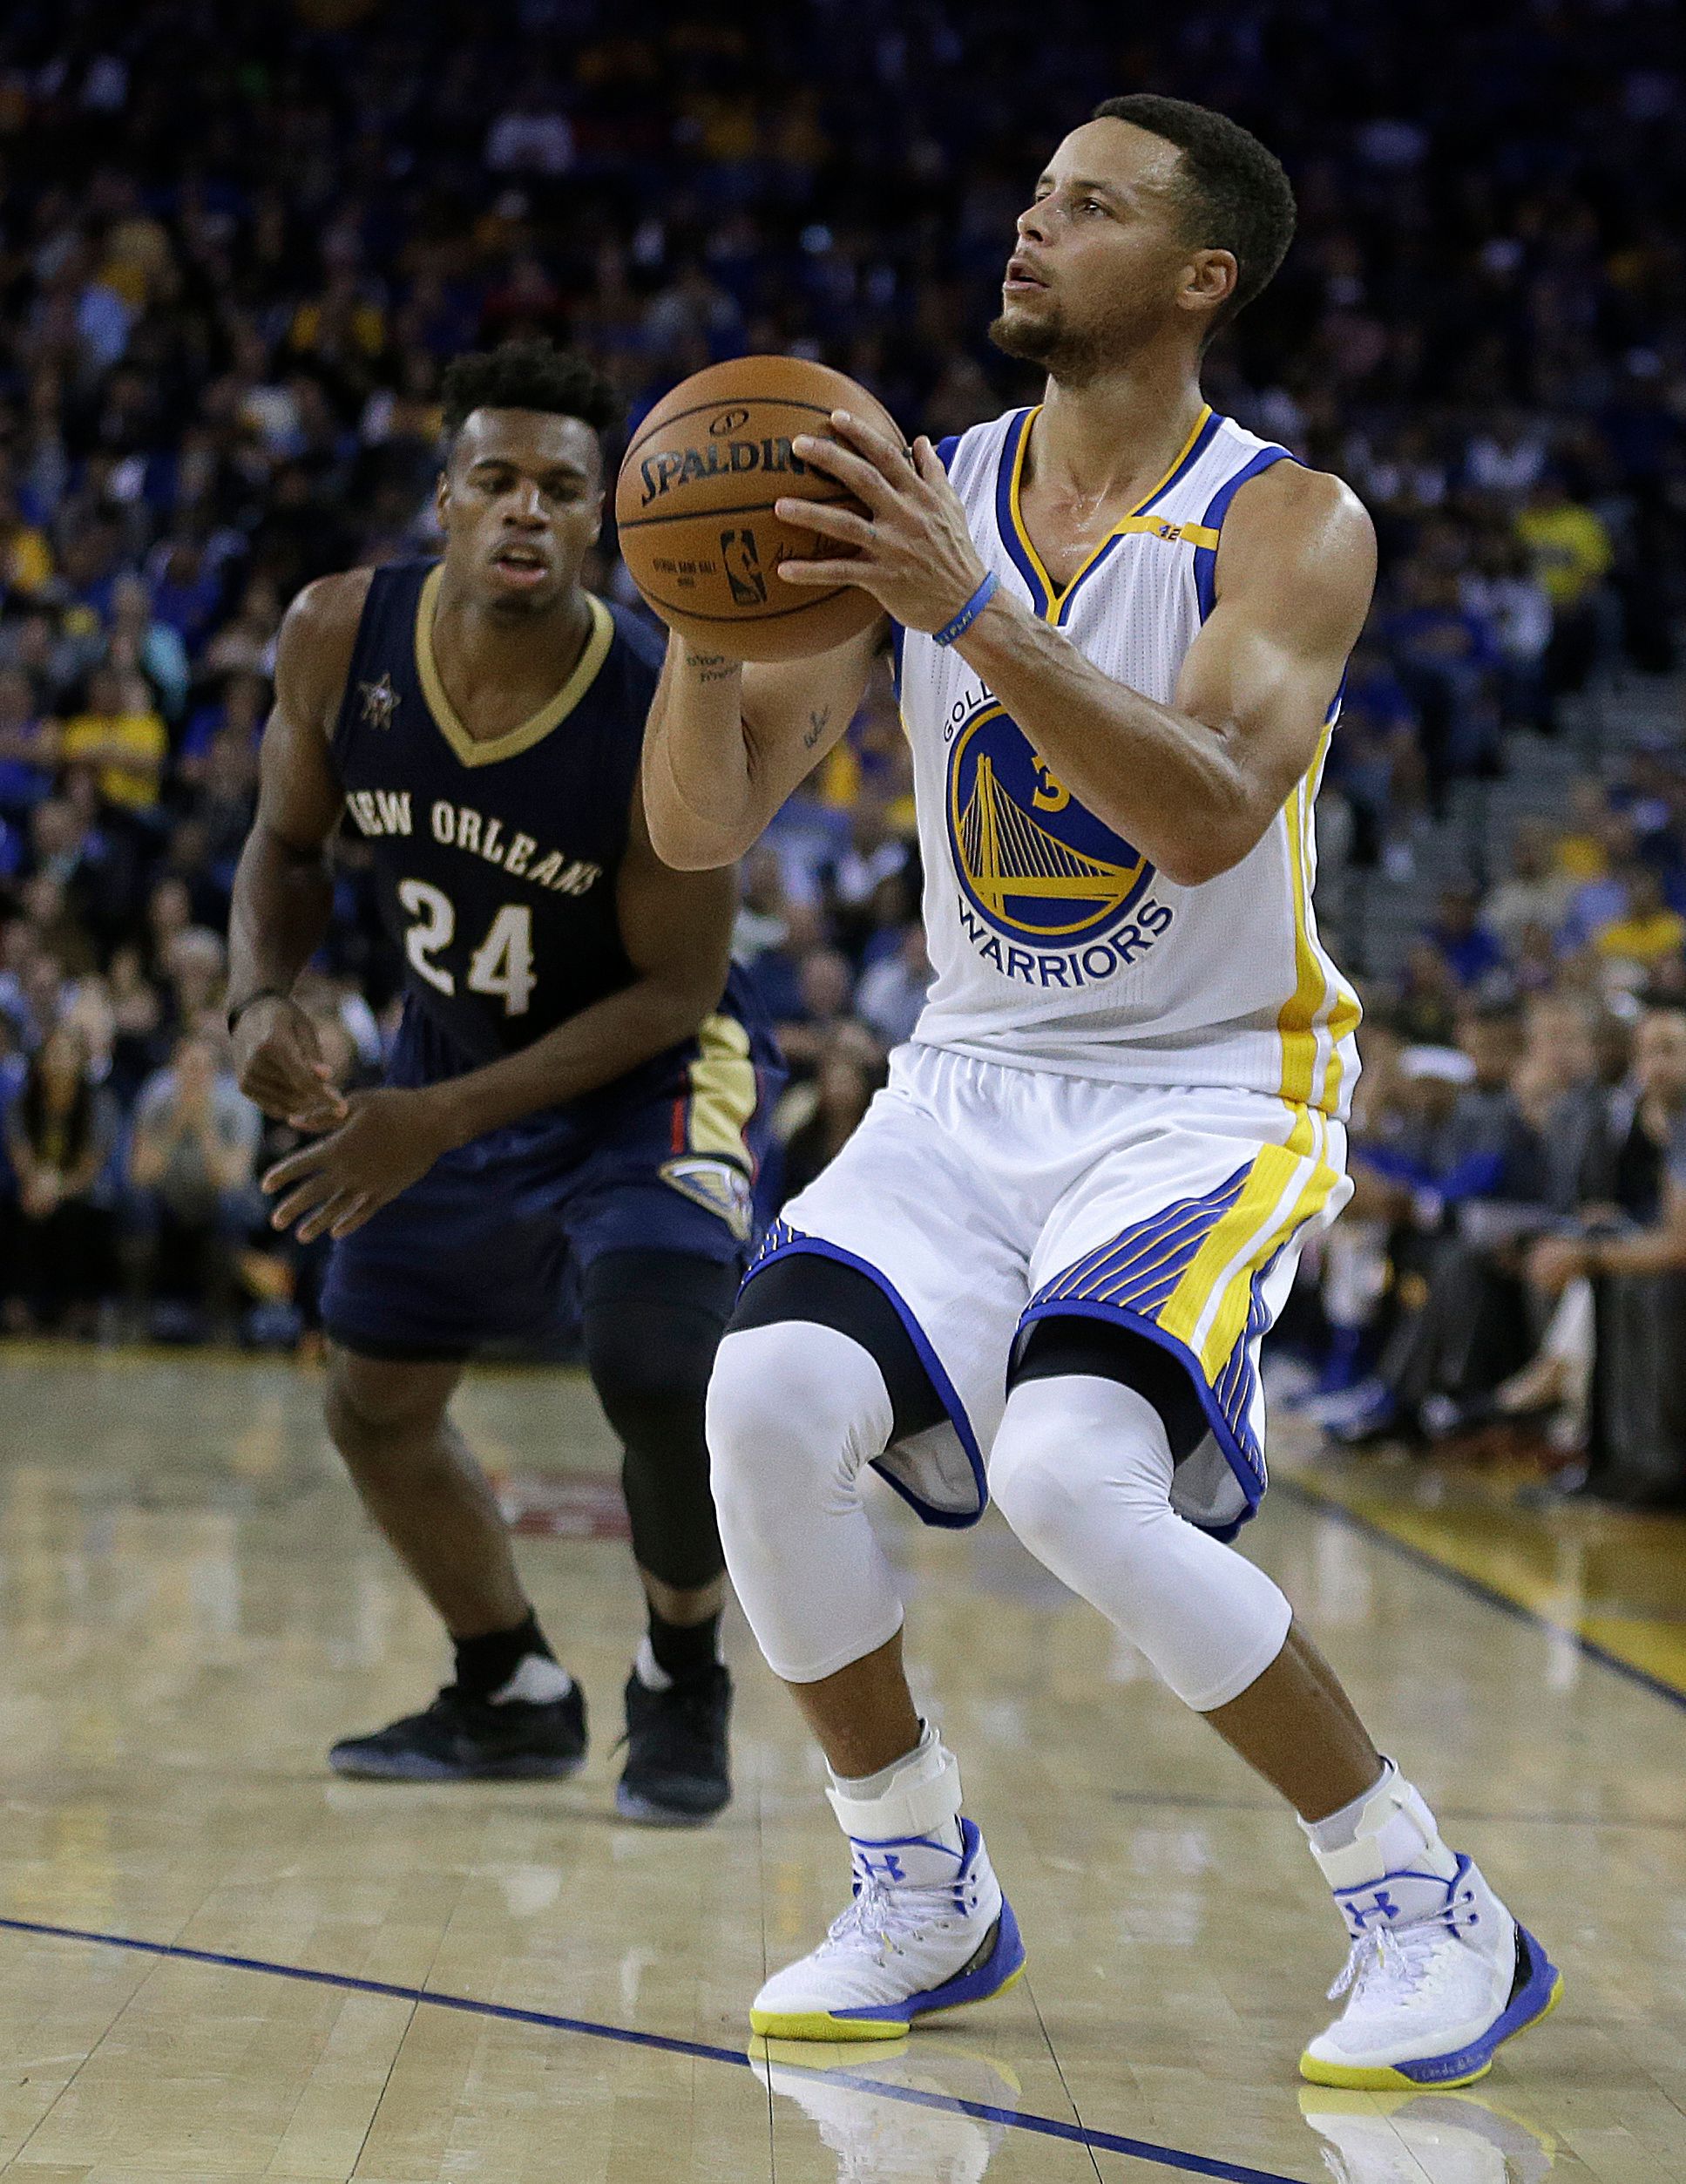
pixel 317 642
pixel 1260 480
pixel 1287 507
pixel 1296 491
pixel 327 610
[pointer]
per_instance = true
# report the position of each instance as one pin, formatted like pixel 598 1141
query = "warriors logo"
pixel 1033 861
pixel 1037 868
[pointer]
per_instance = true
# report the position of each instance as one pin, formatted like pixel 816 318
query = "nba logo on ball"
pixel 1049 894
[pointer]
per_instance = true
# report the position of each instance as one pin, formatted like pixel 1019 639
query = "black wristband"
pixel 263 994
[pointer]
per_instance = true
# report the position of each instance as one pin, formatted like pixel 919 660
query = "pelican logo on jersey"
pixel 717 1184
pixel 1048 894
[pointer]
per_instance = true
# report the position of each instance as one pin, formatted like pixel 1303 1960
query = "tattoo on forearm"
pixel 817 725
pixel 710 666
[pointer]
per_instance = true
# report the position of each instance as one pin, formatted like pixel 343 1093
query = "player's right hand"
pixel 278 1060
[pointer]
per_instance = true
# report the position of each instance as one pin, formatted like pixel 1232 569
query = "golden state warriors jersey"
pixel 1056 944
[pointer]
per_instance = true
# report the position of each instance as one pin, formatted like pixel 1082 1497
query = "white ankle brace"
pixel 1394 1832
pixel 921 1798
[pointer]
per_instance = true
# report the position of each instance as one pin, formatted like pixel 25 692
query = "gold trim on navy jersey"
pixel 476 751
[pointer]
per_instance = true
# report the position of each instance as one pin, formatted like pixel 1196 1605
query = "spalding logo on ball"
pixel 694 506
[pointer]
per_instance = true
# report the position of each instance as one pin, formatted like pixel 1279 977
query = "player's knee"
pixel 1070 1473
pixel 379 1416
pixel 651 1372
pixel 1032 1480
pixel 652 1324
pixel 794 1410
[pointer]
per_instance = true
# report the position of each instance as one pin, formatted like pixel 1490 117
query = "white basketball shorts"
pixel 982 1197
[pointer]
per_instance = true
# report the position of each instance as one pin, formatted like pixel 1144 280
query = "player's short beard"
pixel 1071 356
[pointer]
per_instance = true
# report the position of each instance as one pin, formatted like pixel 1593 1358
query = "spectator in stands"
pixel 1461 939
pixel 1631 1249
pixel 1375 763
pixel 59 1135
pixel 1571 552
pixel 1634 945
pixel 191 1166
pixel 153 648
pixel 850 1071
pixel 121 735
pixel 1606 852
pixel 892 993
pixel 1447 660
pixel 1534 894
pixel 1502 591
pixel 825 985
pixel 1426 1011
pixel 28 747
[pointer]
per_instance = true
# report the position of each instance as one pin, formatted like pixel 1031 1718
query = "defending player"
pixel 567 1077
pixel 1058 1236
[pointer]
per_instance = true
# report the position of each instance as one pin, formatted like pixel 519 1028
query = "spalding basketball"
pixel 694 506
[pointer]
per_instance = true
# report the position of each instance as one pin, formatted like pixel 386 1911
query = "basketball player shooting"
pixel 1054 1244
pixel 578 1072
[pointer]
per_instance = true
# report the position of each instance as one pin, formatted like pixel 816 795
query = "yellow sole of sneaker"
pixel 820 2024
pixel 1384 2079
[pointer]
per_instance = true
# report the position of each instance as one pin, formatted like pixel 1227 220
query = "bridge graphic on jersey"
pixel 1009 857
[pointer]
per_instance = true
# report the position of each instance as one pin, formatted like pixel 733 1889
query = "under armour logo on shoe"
pixel 1381 1907
pixel 890 1867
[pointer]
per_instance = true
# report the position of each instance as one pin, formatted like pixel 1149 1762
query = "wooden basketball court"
pixel 218 1964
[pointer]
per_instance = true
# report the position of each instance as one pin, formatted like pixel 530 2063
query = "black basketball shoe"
pixel 462 1739
pixel 678 1771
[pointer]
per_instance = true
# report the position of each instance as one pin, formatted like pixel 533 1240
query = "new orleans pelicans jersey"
pixel 1056 944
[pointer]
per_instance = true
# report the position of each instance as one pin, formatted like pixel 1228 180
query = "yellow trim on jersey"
pixel 1263 1219
pixel 1298 1020
pixel 1345 1011
pixel 722 1090
pixel 477 751
pixel 1194 533
pixel 1321 998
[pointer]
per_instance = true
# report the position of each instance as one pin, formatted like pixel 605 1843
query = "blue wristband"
pixel 968 615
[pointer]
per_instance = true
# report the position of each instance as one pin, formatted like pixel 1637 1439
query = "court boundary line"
pixel 665 2043
pixel 1326 1503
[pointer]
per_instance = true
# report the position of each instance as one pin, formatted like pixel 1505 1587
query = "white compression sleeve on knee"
pixel 795 1410
pixel 1081 1469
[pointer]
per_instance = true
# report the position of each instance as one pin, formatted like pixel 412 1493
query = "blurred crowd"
pixel 238 242
pixel 1510 1279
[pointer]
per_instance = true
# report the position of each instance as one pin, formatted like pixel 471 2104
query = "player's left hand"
pixel 389 1140
pixel 915 554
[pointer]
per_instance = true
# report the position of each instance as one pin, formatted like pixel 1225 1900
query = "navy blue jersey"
pixel 495 862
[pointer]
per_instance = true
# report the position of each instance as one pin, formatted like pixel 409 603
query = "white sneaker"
pixel 1438 1976
pixel 929 1929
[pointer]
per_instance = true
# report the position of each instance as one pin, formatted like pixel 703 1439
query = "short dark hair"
pixel 1238 195
pixel 530 375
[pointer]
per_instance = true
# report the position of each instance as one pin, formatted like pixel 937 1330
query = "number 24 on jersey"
pixel 502 964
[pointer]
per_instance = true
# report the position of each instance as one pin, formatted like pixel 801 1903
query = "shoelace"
pixel 884 1916
pixel 1403 1961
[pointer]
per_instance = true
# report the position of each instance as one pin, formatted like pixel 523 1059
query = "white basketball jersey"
pixel 1055 944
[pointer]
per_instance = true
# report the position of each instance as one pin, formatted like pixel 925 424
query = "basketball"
pixel 693 505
